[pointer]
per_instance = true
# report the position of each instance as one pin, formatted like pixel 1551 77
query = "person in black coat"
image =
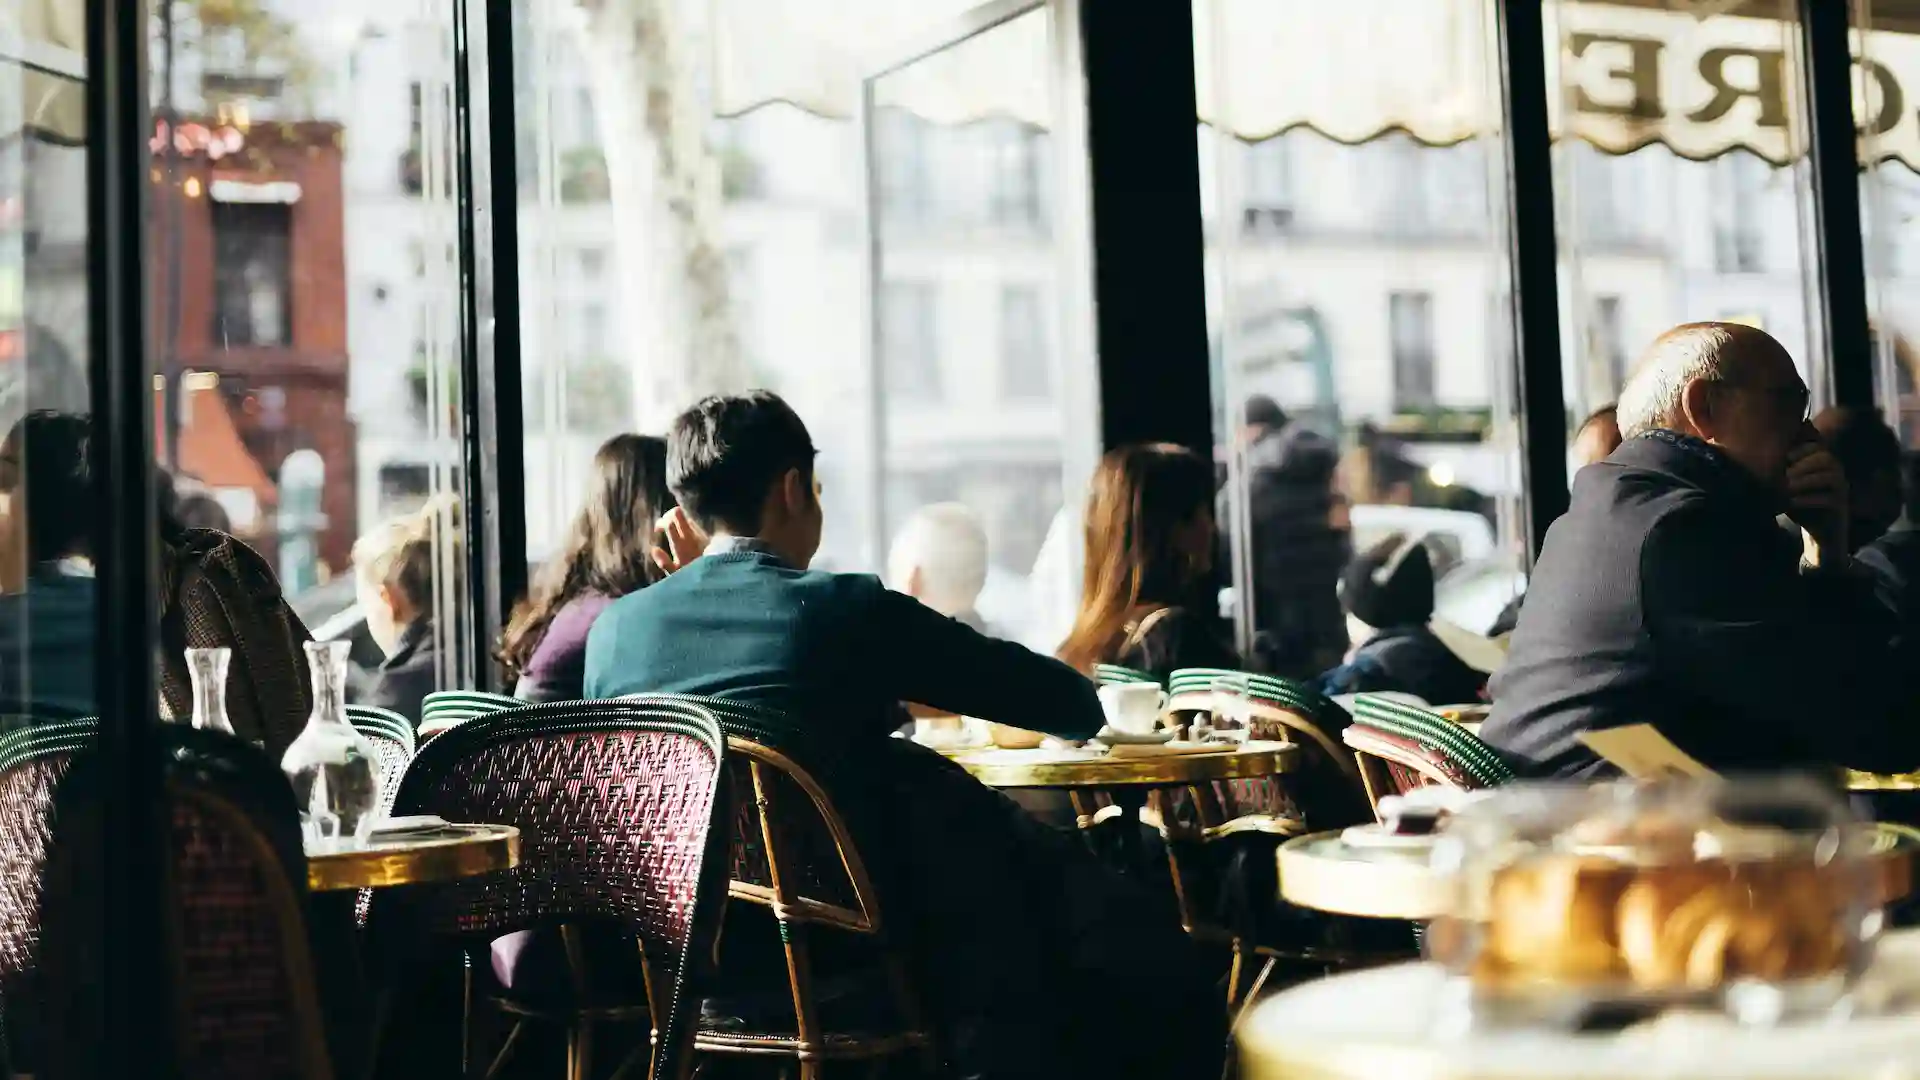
pixel 1668 595
pixel 1388 596
pixel 1296 549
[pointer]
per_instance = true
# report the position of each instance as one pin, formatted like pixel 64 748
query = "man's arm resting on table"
pixel 941 662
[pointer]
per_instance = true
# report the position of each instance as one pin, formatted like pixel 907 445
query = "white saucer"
pixel 1114 738
pixel 1377 838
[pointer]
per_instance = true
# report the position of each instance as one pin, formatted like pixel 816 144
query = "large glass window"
pixel 1680 181
pixel 47 642
pixel 1356 263
pixel 1887 80
pixel 304 303
pixel 896 284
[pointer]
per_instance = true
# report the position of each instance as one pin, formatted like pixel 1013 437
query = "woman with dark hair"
pixel 46 568
pixel 609 552
pixel 1149 560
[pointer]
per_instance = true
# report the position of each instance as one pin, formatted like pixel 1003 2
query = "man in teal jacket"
pixel 1011 922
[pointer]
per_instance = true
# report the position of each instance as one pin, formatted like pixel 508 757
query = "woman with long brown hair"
pixel 1149 562
pixel 608 553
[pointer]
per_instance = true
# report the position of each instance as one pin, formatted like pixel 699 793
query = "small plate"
pixel 411 823
pixel 1377 838
pixel 1115 738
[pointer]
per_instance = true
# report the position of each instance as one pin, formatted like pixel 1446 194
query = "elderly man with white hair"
pixel 1669 595
pixel 940 559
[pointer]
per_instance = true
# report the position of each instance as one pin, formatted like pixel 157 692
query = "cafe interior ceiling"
pixel 1701 77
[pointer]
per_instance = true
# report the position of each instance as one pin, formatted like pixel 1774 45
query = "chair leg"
pixel 580 1051
pixel 506 1050
pixel 1235 972
pixel 1253 992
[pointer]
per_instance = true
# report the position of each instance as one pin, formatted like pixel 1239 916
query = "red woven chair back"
pixel 33 761
pixel 245 996
pixel 1392 764
pixel 616 803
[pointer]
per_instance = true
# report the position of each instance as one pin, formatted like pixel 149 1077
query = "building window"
pixel 1739 180
pixel 1606 342
pixel 593 330
pixel 1024 372
pixel 901 158
pixel 252 274
pixel 1410 325
pixel 1014 197
pixel 593 263
pixel 1268 207
pixel 909 341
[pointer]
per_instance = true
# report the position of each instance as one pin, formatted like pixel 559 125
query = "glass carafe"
pixel 208 670
pixel 336 783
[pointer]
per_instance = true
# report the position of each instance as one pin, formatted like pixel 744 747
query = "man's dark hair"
pixel 726 452
pixel 47 472
pixel 1262 411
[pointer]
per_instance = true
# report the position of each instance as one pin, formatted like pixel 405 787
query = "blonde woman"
pixel 393 570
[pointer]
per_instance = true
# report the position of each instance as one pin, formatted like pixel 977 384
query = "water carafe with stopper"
pixel 336 783
pixel 208 670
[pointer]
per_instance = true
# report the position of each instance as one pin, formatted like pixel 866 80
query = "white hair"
pixel 1654 394
pixel 946 544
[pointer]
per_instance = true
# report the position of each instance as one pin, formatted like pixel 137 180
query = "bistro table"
pixel 1391 1022
pixel 1129 779
pixel 440 854
pixel 1049 768
pixel 1323 872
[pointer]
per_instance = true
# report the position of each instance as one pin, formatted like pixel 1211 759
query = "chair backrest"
pixel 246 988
pixel 822 872
pixel 1109 674
pixel 793 854
pixel 443 709
pixel 33 760
pixel 616 803
pixel 1393 764
pixel 1438 734
pixel 393 746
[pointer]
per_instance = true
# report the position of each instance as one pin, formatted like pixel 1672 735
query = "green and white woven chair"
pixel 1109 674
pixel 443 709
pixel 1470 758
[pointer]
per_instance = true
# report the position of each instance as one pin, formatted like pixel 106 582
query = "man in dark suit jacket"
pixel 1666 595
pixel 1008 918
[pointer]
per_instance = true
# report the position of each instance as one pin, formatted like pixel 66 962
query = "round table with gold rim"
pixel 1394 1022
pixel 1867 782
pixel 1045 768
pixel 446 853
pixel 1323 872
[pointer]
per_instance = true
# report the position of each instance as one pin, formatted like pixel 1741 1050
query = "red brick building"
pixel 253 223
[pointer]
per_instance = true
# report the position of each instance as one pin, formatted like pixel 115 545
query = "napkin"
pixel 1173 749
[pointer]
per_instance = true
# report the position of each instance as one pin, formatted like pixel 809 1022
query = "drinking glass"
pixel 1232 710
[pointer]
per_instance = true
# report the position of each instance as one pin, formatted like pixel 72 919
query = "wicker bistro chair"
pixel 617 804
pixel 1450 750
pixel 794 856
pixel 444 709
pixel 247 986
pixel 33 760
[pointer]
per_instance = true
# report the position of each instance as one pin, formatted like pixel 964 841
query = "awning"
pixel 43 73
pixel 1701 77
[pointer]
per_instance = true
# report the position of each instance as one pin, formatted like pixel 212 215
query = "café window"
pixel 1023 345
pixel 252 274
pixel 1410 326
pixel 910 340
pixel 1014 194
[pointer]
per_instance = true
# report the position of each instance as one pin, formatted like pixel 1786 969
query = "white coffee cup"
pixel 1132 708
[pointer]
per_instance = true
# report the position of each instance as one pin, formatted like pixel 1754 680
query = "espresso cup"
pixel 1132 708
